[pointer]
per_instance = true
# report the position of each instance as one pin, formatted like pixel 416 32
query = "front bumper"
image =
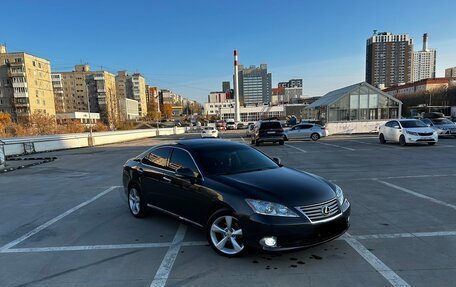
pixel 421 139
pixel 293 233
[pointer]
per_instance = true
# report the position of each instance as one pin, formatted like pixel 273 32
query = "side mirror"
pixel 277 160
pixel 186 173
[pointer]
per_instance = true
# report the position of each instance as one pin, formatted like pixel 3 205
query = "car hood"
pixel 445 126
pixel 421 130
pixel 281 185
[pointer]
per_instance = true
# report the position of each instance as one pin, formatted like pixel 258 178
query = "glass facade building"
pixel 359 102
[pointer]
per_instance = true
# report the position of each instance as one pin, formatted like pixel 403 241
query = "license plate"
pixel 271 132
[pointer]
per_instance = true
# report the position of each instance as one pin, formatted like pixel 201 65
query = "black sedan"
pixel 240 196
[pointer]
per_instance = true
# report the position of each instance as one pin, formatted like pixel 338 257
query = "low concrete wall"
pixel 354 127
pixel 26 145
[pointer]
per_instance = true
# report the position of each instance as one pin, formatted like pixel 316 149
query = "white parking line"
pixel 100 247
pixel 405 235
pixel 334 145
pixel 297 148
pixel 165 267
pixel 418 194
pixel 54 220
pixel 376 263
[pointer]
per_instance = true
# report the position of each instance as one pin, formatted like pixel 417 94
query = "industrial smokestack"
pixel 237 112
pixel 425 42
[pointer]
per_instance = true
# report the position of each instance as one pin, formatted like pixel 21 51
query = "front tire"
pixel 224 233
pixel 136 202
pixel 281 142
pixel 382 139
pixel 402 141
pixel 315 136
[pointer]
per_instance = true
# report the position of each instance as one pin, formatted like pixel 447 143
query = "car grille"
pixel 315 212
pixel 425 134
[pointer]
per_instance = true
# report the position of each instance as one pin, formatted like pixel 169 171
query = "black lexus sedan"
pixel 238 195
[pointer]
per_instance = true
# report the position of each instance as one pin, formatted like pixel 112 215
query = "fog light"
pixel 269 241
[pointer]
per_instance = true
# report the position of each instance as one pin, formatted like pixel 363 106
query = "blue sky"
pixel 187 46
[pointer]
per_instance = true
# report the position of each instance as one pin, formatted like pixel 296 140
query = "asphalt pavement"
pixel 66 222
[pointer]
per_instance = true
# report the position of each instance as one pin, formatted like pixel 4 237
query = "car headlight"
pixel 270 208
pixel 412 133
pixel 339 195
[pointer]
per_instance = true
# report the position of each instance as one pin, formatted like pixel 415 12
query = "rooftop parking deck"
pixel 66 222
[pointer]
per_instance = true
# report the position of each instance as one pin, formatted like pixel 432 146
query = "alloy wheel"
pixel 134 201
pixel 226 235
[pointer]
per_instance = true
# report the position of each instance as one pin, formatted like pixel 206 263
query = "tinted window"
pixel 303 127
pixel 158 158
pixel 413 124
pixel 232 159
pixel 442 122
pixel 270 125
pixel 181 159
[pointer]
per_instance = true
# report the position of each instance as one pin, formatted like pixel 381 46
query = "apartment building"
pixel 389 59
pixel 131 87
pixel 424 62
pixel 25 85
pixel 74 90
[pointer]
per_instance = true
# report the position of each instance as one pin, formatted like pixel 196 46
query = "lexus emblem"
pixel 325 210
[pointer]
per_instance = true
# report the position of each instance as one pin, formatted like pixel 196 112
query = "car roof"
pixel 201 143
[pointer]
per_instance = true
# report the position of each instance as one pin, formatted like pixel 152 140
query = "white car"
pixel 405 131
pixel 306 131
pixel 209 132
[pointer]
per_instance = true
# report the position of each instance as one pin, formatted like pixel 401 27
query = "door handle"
pixel 167 179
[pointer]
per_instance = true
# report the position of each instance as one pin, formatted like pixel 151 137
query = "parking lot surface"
pixel 66 222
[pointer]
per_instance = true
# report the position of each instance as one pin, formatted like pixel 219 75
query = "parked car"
pixel 306 131
pixel 268 131
pixel 237 195
pixel 220 125
pixel 405 131
pixel 209 132
pixel 230 124
pixel 443 126
pixel 250 129
pixel 240 126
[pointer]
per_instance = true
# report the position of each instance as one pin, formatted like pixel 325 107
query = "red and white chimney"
pixel 237 112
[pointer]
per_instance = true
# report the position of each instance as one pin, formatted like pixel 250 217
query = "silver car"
pixel 443 127
pixel 306 131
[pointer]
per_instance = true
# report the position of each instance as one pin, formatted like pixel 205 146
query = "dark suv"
pixel 268 131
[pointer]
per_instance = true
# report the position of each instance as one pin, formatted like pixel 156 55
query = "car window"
pixel 304 127
pixel 180 159
pixel 270 125
pixel 295 128
pixel 427 121
pixel 413 124
pixel 157 158
pixel 442 122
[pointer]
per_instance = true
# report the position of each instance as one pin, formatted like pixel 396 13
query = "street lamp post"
pixel 90 116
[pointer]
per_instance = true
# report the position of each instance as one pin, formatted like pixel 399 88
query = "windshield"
pixel 443 122
pixel 413 124
pixel 231 160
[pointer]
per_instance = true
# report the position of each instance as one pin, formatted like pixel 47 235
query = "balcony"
pixel 15 74
pixel 19 85
pixel 101 91
pixel 98 77
pixel 20 94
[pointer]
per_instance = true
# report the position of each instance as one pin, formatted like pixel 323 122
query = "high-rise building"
pixel 226 86
pixel 424 62
pixel 25 85
pixel 131 87
pixel 450 72
pixel 388 59
pixel 81 85
pixel 289 92
pixel 255 85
